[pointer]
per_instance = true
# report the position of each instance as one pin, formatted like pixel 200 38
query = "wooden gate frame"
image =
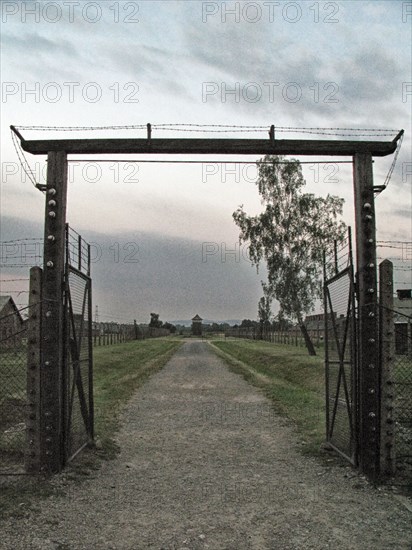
pixel 362 153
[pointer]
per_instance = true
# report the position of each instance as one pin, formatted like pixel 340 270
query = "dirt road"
pixel 205 463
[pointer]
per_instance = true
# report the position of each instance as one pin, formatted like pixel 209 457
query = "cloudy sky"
pixel 164 233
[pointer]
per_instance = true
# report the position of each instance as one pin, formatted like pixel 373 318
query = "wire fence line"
pixel 14 404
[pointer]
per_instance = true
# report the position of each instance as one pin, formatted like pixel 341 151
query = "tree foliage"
pixel 155 322
pixel 290 235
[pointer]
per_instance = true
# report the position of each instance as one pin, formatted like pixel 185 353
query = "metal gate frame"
pixel 347 363
pixel 77 365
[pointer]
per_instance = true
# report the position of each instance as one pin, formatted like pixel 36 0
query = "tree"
pixel 155 321
pixel 290 235
pixel 170 327
pixel 264 313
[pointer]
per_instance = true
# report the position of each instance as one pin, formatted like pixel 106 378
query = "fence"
pixel 402 394
pixel 13 387
pixel 395 313
pixel 291 337
pixel 107 334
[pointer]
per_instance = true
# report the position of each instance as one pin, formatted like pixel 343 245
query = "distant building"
pixel 315 325
pixel 197 325
pixel 402 306
pixel 11 323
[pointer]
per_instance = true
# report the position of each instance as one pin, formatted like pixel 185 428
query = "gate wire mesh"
pixel 400 254
pixel 13 387
pixel 402 383
pixel 78 366
pixel 340 350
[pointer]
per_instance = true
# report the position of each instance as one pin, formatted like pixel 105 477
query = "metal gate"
pixel 77 372
pixel 341 373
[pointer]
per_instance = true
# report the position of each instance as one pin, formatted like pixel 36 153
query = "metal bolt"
pixel 371 366
pixel 371 391
pixel 370 241
pixel 371 314
pixel 51 238
pixel 371 265
pixel 371 340
pixel 367 206
pixel 48 313
pixel 52 203
pixel 372 415
pixel 47 363
pixel 368 217
pixel 371 290
pixel 50 264
pixel 52 214
pixel 52 191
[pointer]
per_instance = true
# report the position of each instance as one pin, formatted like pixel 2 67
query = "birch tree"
pixel 290 236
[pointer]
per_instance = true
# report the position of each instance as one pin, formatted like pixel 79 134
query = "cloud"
pixel 372 75
pixel 138 272
pixel 37 44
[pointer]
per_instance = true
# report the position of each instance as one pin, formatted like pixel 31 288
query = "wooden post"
pixel 52 312
pixel 33 372
pixel 387 353
pixel 369 386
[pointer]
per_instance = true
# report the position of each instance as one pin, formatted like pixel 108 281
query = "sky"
pixel 163 235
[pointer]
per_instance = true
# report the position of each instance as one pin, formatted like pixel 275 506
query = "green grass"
pixel 292 380
pixel 118 371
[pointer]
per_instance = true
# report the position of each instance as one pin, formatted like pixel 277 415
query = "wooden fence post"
pixel 368 346
pixel 387 353
pixel 33 427
pixel 52 349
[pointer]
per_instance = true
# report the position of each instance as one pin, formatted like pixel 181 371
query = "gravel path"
pixel 205 463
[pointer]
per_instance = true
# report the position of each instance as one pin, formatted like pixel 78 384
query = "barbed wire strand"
pixel 22 159
pixel 223 128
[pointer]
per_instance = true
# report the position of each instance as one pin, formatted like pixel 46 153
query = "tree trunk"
pixel 308 342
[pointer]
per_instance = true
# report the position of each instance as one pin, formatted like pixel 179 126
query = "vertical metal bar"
pixel 326 340
pixel 88 260
pixel 353 328
pixel 33 430
pixel 335 254
pixel 90 330
pixel 65 374
pixel 368 323
pixel 387 353
pixel 52 311
pixel 79 245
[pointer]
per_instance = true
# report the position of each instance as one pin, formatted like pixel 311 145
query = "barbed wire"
pixel 224 128
pixel 22 159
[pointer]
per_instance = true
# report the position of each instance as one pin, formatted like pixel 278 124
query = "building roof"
pixel 197 318
pixel 4 300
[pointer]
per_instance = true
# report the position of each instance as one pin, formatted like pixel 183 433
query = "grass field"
pixel 292 380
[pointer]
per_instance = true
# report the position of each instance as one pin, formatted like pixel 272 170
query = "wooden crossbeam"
pixel 172 146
